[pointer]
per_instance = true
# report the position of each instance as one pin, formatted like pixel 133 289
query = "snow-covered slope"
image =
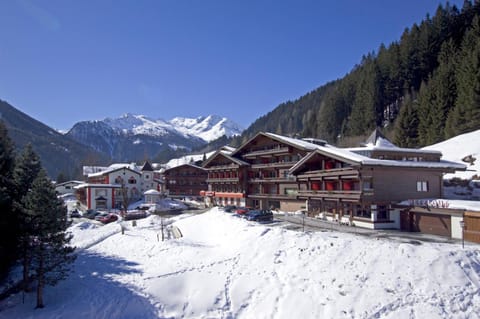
pixel 208 128
pixel 458 148
pixel 226 267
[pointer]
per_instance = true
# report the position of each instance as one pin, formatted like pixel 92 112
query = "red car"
pixel 108 219
pixel 242 210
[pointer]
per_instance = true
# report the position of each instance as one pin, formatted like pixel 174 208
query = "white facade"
pixel 67 187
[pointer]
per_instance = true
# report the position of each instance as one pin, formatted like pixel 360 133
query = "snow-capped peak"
pixel 208 128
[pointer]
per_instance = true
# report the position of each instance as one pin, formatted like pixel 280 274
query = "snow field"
pixel 226 267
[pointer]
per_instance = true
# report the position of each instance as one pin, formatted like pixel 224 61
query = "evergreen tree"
pixel 27 167
pixel 406 125
pixel 465 116
pixel 61 178
pixel 49 241
pixel 8 229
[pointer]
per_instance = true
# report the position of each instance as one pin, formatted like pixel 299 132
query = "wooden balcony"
pixel 273 165
pixel 336 173
pixel 337 194
pixel 272 180
pixel 223 167
pixel 268 151
pixel 272 196
pixel 223 180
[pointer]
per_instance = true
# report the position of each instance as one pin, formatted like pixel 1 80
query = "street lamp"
pixel 462 225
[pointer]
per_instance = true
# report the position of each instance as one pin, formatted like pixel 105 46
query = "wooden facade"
pixel 343 187
pixel 227 180
pixel 269 183
pixel 186 180
pixel 472 226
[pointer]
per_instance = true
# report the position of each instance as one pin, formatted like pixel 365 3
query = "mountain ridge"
pixel 133 137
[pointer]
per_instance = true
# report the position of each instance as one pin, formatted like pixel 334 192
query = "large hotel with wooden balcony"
pixel 361 185
pixel 358 186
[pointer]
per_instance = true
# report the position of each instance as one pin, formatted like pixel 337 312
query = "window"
pixel 362 211
pixel 367 184
pixel 132 180
pixel 382 212
pixel 422 186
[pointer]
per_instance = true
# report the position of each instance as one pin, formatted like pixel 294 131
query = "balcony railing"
pixel 330 174
pixel 223 167
pixel 337 194
pixel 275 164
pixel 289 179
pixel 272 196
pixel 223 180
pixel 267 151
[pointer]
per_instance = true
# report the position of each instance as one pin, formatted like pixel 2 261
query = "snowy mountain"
pixel 208 128
pixel 132 137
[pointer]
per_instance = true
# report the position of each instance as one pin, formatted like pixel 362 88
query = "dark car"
pixel 75 213
pixel 108 219
pixel 136 214
pixel 229 208
pixel 90 214
pixel 260 215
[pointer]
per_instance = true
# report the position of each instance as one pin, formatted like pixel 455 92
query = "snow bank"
pixel 226 267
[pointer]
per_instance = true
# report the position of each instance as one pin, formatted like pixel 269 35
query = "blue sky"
pixel 63 61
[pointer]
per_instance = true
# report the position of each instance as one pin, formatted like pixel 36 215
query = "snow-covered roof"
pixel 294 141
pixel 113 168
pixel 152 192
pixel 469 205
pixel 186 164
pixel 225 154
pixel 95 185
pixel 385 145
pixel 69 182
pixel 354 158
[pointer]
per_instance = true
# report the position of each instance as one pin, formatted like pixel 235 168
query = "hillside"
pixel 460 149
pixel 58 153
pixel 420 88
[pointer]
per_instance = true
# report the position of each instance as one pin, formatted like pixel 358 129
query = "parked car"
pixel 75 213
pixel 135 214
pixel 91 213
pixel 260 215
pixel 242 210
pixel 229 208
pixel 100 215
pixel 108 219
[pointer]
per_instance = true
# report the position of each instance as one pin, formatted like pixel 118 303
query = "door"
pixel 435 224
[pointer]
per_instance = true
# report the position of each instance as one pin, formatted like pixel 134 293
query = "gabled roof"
pixel 183 165
pixel 147 167
pixel 111 170
pixel 225 154
pixel 352 158
pixel 375 136
pixel 69 182
pixel 301 144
